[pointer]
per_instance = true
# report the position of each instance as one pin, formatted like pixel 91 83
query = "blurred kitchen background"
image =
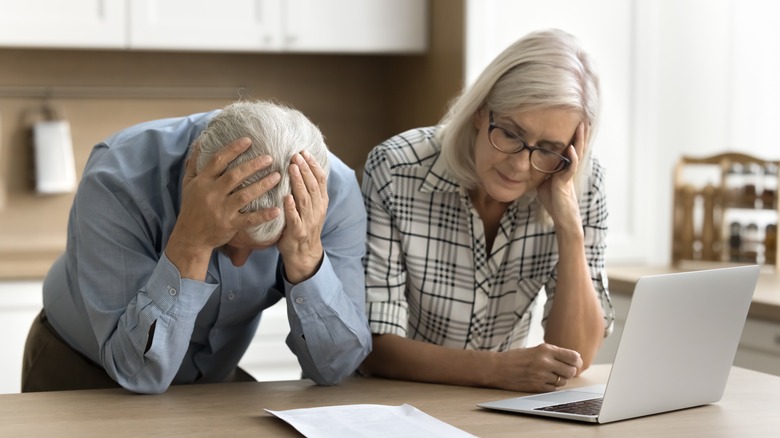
pixel 679 78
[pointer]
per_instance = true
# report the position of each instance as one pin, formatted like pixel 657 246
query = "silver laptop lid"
pixel 679 342
pixel 676 351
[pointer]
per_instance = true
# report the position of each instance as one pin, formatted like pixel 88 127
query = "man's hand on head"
pixel 211 202
pixel 305 210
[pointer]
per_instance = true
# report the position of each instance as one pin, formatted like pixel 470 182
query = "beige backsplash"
pixel 357 101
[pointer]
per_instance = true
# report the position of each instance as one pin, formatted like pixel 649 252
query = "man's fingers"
pixel 316 171
pixel 191 167
pixel 237 175
pixel 309 180
pixel 219 162
pixel 298 188
pixel 291 214
pixel 252 219
pixel 240 198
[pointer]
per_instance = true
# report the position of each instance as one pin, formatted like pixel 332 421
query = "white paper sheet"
pixel 364 420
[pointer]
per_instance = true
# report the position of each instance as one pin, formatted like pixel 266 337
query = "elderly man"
pixel 182 232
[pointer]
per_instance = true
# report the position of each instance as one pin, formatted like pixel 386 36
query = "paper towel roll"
pixel 2 169
pixel 55 169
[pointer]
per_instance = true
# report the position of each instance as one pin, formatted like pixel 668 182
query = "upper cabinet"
pixel 60 24
pixel 322 26
pixel 356 25
pixel 230 25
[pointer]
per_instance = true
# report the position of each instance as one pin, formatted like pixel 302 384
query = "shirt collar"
pixel 439 178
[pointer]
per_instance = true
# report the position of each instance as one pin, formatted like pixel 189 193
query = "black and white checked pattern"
pixel 428 275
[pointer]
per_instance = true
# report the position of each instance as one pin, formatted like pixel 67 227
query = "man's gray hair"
pixel 275 130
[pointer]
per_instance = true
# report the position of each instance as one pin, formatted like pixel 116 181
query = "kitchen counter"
pixel 766 299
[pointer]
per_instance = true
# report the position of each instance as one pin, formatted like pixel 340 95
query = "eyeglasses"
pixel 543 160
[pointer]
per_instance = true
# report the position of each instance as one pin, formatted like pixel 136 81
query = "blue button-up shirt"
pixel 114 281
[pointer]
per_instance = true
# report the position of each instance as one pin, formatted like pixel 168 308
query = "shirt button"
pixel 299 300
pixel 172 291
pixel 231 296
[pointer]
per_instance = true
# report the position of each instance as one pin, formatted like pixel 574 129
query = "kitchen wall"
pixel 357 101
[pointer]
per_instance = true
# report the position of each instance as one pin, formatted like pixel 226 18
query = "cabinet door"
pixel 609 346
pixel 268 357
pixel 759 347
pixel 56 23
pixel 20 303
pixel 356 26
pixel 226 25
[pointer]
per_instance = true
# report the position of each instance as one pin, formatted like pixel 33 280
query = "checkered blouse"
pixel 428 275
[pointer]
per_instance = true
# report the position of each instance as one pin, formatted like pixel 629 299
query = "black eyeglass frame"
pixel 565 162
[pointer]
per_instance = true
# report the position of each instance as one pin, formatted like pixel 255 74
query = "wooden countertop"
pixel 748 409
pixel 766 299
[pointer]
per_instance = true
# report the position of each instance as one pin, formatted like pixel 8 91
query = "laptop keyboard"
pixel 582 407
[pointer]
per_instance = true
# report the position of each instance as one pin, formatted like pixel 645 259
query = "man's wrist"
pixel 191 261
pixel 301 268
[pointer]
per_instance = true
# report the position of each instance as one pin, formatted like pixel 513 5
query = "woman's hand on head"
pixel 557 193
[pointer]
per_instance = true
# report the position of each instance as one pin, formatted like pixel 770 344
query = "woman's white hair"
pixel 275 130
pixel 544 69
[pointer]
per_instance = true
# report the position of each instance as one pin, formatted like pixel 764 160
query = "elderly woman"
pixel 469 221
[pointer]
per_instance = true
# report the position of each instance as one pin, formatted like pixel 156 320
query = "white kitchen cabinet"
pixel 339 26
pixel 315 26
pixel 232 25
pixel 267 358
pixel 59 24
pixel 759 347
pixel 606 353
pixel 20 303
pixel 356 25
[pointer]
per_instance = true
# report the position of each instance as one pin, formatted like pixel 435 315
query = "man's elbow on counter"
pixel 144 386
pixel 333 376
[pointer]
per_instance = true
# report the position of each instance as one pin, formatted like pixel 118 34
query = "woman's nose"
pixel 521 161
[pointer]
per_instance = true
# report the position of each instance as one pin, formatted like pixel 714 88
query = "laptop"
pixel 678 345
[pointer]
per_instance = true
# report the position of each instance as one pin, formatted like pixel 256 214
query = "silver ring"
pixel 557 381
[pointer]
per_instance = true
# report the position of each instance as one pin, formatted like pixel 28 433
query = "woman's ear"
pixel 479 117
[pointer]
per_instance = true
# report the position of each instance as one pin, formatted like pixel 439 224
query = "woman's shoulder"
pixel 410 148
pixel 597 172
pixel 591 183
